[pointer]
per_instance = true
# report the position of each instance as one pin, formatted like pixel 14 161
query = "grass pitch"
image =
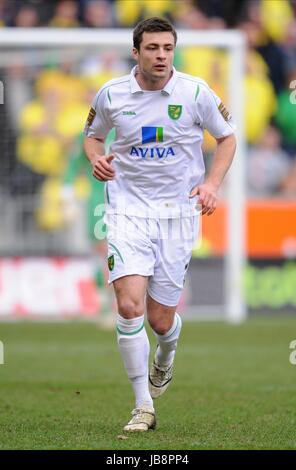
pixel 63 387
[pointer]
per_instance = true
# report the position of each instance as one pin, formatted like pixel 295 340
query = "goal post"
pixel 234 309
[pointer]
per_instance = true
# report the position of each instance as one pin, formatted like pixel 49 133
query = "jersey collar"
pixel 135 87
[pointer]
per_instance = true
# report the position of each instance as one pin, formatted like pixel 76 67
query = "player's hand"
pixel 102 168
pixel 207 197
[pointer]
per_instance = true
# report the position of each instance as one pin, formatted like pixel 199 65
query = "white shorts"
pixel 157 248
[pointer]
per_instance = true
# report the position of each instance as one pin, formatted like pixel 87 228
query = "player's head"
pixel 154 44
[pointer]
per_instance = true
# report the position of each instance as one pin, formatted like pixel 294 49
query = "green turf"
pixel 63 387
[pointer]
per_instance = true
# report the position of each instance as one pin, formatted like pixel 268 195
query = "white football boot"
pixel 143 419
pixel 159 379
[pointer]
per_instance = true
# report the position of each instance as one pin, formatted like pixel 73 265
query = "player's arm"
pixel 213 115
pixel 208 191
pixel 101 163
pixel 97 127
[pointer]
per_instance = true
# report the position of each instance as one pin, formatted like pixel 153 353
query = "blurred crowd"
pixel 47 104
pixel 123 13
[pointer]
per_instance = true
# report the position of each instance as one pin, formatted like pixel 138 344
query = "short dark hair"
pixel 152 25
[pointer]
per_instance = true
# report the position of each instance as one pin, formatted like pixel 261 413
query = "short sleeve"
pixel 98 123
pixel 213 114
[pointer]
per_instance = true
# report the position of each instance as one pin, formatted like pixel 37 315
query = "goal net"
pixel 48 78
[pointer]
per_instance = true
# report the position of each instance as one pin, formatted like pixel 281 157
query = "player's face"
pixel 156 55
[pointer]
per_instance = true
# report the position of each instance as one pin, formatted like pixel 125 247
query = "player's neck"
pixel 151 85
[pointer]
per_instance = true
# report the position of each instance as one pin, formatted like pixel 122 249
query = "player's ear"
pixel 135 53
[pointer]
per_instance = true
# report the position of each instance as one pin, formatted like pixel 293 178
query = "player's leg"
pixel 166 324
pixel 134 347
pixel 165 287
pixel 131 261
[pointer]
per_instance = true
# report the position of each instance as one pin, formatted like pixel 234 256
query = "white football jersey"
pixel 157 148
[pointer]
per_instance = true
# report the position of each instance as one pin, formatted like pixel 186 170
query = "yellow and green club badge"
pixel 174 111
pixel 111 263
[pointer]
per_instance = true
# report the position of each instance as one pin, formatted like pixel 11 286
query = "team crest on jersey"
pixel 224 111
pixel 91 116
pixel 174 111
pixel 111 263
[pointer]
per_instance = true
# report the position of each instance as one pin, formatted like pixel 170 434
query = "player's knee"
pixel 159 326
pixel 130 308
